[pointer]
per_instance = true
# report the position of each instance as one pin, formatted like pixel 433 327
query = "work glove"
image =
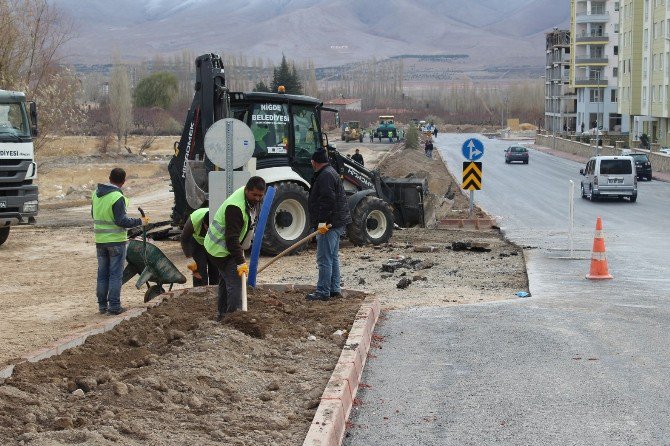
pixel 145 221
pixel 242 269
pixel 193 266
pixel 323 228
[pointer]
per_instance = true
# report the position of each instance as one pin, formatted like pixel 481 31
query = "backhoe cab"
pixel 287 131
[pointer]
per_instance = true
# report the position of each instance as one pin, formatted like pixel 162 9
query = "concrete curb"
pixel 330 420
pixel 467 223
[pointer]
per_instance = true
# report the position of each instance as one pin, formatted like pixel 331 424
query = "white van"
pixel 609 176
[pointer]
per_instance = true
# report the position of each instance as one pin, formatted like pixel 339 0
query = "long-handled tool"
pixel 244 292
pixel 147 272
pixel 291 248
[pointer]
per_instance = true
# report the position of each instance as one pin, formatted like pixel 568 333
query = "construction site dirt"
pixel 51 294
pixel 175 376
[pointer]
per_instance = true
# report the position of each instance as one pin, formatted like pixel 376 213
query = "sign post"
pixel 472 150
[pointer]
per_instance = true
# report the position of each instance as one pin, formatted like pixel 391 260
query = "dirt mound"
pixel 445 199
pixel 175 376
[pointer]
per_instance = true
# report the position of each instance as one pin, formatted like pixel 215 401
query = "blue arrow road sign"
pixel 472 149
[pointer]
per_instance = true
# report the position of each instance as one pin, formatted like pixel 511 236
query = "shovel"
pixel 148 271
pixel 291 248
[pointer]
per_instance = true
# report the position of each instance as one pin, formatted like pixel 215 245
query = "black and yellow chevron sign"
pixel 472 175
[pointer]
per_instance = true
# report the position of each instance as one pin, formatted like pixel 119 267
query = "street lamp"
pixel 600 99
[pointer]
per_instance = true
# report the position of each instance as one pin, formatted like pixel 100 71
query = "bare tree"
pixel 120 102
pixel 32 33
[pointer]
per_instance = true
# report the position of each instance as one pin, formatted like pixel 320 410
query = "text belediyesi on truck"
pixel 18 194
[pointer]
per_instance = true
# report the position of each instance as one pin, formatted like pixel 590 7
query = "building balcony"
pixel 596 16
pixel 591 60
pixel 592 38
pixel 591 82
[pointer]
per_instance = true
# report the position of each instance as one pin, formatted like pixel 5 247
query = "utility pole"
pixel 600 99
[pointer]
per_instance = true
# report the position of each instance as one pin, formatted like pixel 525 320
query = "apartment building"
pixel 560 102
pixel 595 60
pixel 644 67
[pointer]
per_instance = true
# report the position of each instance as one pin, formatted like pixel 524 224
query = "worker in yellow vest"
pixel 193 245
pixel 231 232
pixel 110 224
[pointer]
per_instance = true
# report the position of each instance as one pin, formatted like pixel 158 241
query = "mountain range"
pixel 493 33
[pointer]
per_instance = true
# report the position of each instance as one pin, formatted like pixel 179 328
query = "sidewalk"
pixel 659 176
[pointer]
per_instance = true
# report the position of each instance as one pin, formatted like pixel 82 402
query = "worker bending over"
pixel 193 246
pixel 230 233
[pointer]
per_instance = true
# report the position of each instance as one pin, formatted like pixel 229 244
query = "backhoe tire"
pixel 288 221
pixel 372 222
pixel 4 233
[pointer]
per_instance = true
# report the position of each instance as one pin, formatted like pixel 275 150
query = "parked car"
pixel 665 150
pixel 516 153
pixel 642 165
pixel 609 176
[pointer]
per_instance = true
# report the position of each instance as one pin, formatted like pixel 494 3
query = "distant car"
pixel 665 150
pixel 516 153
pixel 642 165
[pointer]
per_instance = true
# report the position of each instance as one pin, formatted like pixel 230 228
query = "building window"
pixel 615 71
pixel 616 50
pixel 613 97
pixel 616 6
pixel 594 95
pixel 646 38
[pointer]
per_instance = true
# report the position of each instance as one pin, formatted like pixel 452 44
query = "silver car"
pixel 609 176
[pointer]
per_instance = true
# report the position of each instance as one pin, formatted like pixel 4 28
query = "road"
pixel 579 363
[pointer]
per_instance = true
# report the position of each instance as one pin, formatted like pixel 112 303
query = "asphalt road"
pixel 579 363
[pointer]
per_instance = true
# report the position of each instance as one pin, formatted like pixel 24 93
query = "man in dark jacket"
pixel 329 213
pixel 358 157
pixel 110 224
pixel 429 148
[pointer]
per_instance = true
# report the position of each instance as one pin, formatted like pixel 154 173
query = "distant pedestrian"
pixel 582 126
pixel 372 136
pixel 428 148
pixel 435 132
pixel 358 158
pixel 110 224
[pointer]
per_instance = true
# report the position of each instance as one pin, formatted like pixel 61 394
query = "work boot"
pixel 336 295
pixel 116 311
pixel 316 296
pixel 102 310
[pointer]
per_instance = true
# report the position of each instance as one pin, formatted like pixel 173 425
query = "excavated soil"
pixel 174 376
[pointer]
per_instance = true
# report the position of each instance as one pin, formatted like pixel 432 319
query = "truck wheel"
pixel 4 233
pixel 288 221
pixel 372 222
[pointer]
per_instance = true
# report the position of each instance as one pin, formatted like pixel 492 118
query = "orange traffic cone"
pixel 598 259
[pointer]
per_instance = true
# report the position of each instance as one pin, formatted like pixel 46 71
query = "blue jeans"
pixel 111 261
pixel 328 261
